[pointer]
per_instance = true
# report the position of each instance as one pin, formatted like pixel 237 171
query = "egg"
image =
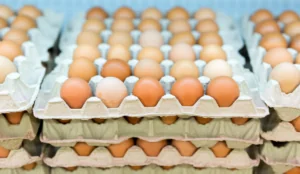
pixel 5 12
pixel 177 13
pixel 295 42
pixel 210 38
pixel 124 13
pixel 152 95
pixel 136 167
pixel 217 68
pixel 288 16
pixel 10 50
pixel 30 166
pixel 71 169
pixel 30 11
pixel 212 52
pixel 93 25
pixel 167 167
pixel 187 90
pixel 118 37
pixel 4 152
pixel 3 23
pixel 6 67
pixel 151 13
pixel 224 90
pixel 220 149
pixel 205 13
pixel 98 120
pixel 82 68
pixel 125 25
pixel 111 91
pixel 148 68
pixel 182 51
pixel 149 24
pixel 120 52
pixel 87 51
pixel 179 26
pixel 24 23
pixel 184 68
pixel 261 15
pixel 64 121
pixel 203 120
pixel 119 150
pixel 88 38
pixel 83 149
pixel 14 117
pixel 267 26
pixel 151 149
pixel 276 56
pixel 273 40
pixel 116 68
pixel 207 25
pixel 185 148
pixel 183 37
pixel 294 170
pixel 96 13
pixel 287 75
pixel 133 120
pixel 292 29
pixel 75 92
pixel 16 35
pixel 151 38
pixel 297 59
pixel 169 119
pixel 239 120
pixel 151 53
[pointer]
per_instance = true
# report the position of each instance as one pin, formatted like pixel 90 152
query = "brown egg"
pixel 24 23
pixel 10 49
pixel 297 59
pixel 64 121
pixel 93 25
pixel 295 42
pixel 177 13
pixel 71 169
pixel 239 120
pixel 133 120
pixel 149 24
pixel 261 15
pixel 187 90
pixel 4 152
pixel 125 25
pixel 267 26
pixel 179 26
pixel 116 68
pixel 3 23
pixel 119 150
pixel 295 170
pixel 151 149
pixel 87 51
pixel 5 12
pixel 276 56
pixel 29 166
pixel 6 66
pixel 288 16
pixel 89 38
pixel 217 68
pixel 98 120
pixel 203 120
pixel 82 68
pixel 205 13
pixel 210 38
pixel 120 52
pixel 16 35
pixel 167 167
pixel 96 13
pixel 151 53
pixel 292 29
pixel 152 95
pixel 169 119
pixel 224 90
pixel 136 167
pixel 83 149
pixel 183 37
pixel 207 25
pixel 273 40
pixel 151 38
pixel 30 11
pixel 148 68
pixel 185 148
pixel 184 68
pixel 212 52
pixel 220 149
pixel 151 13
pixel 118 37
pixel 14 117
pixel 75 92
pixel 287 75
pixel 111 91
pixel 182 51
pixel 124 13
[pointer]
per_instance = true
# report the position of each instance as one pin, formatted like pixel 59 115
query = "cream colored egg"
pixel 182 51
pixel 151 38
pixel 217 68
pixel 6 67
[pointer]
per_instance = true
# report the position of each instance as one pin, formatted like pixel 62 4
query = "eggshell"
pixel 96 13
pixel 292 28
pixel 136 167
pixel 212 52
pixel 185 148
pixel 3 23
pixel 116 68
pixel 133 120
pixel 16 35
pixel 267 26
pixel 169 119
pixel 4 152
pixel 99 120
pixel 273 40
pixel 148 68
pixel 75 92
pixel 151 13
pixel 6 67
pixel 124 13
pixel 184 68
pixel 295 42
pixel 111 91
pixel 287 75
pixel 88 38
pixel 239 120
pixel 179 26
pixel 30 11
pixel 203 120
pixel 217 68
pixel 30 166
pixel 82 68
pixel 87 51
pixel 149 91
pixel 118 37
pixel 151 38
pixel 288 16
pixel 151 149
pixel 276 56
pixel 93 25
pixel 177 13
pixel 261 15
pixel 120 52
pixel 149 24
pixel 64 121
pixel 207 25
pixel 24 23
pixel 151 53
pixel 187 90
pixel 125 25
pixel 10 50
pixel 183 37
pixel 14 117
pixel 5 12
pixel 119 150
pixel 295 170
pixel 70 168
pixel 224 90
pixel 210 38
pixel 182 51
pixel 83 149
pixel 220 149
pixel 205 13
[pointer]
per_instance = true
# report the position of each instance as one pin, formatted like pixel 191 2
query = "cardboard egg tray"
pixel 39 169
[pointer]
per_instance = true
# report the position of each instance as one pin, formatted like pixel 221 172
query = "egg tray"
pixel 275 168
pixel 39 169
